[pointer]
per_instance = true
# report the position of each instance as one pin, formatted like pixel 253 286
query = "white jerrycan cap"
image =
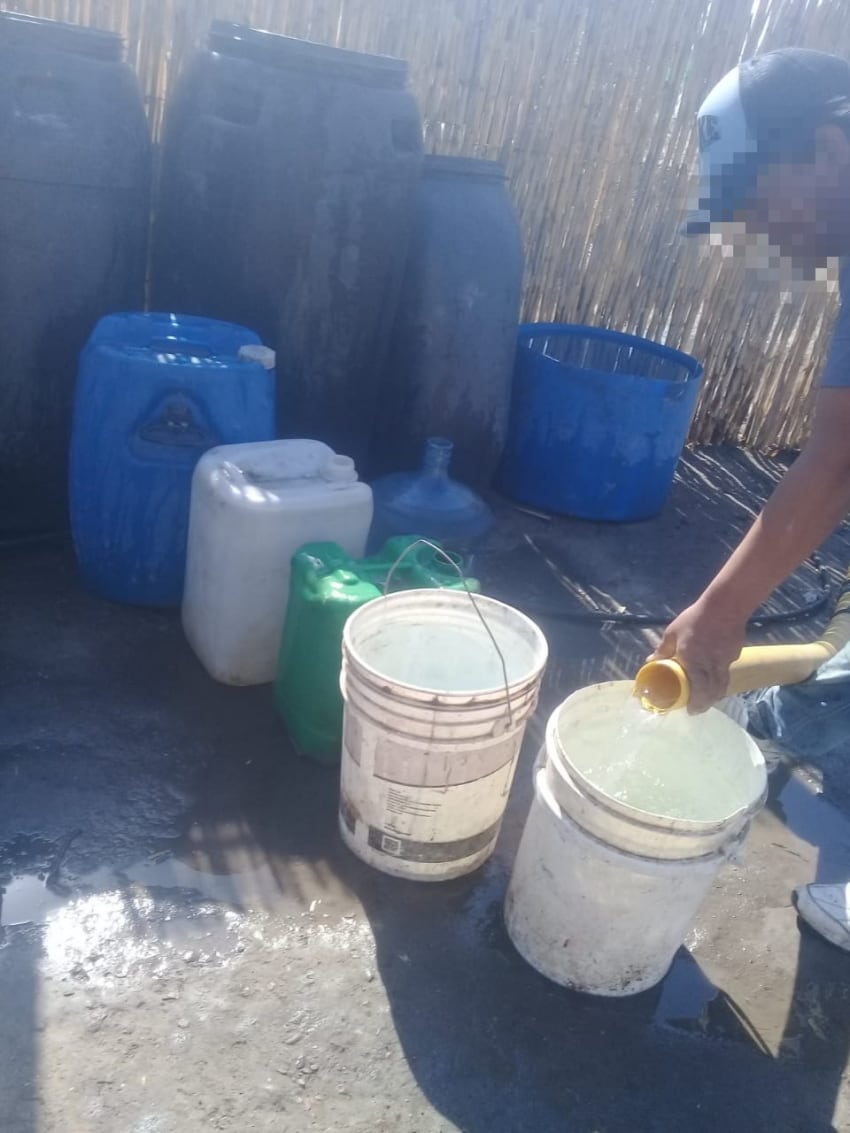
pixel 256 353
pixel 338 470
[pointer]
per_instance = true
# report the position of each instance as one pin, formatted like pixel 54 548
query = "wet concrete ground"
pixel 186 945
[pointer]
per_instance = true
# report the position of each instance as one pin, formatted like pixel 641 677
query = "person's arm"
pixel 808 504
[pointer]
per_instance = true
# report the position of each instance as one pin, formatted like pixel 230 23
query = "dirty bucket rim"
pixel 461 600
pixel 648 820
pixel 652 862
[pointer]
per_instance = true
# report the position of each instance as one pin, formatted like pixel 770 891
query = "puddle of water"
pixel 686 994
pixel 106 935
pixel 248 889
pixel 115 935
pixel 27 900
pixel 226 873
pixel 690 1002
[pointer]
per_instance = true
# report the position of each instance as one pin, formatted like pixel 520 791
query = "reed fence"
pixel 590 104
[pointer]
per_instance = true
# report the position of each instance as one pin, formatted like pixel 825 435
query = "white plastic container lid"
pixel 339 470
pixel 272 474
pixel 262 354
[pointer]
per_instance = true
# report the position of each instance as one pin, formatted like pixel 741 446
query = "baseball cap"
pixel 764 111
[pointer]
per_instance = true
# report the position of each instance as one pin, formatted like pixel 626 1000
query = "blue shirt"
pixel 837 370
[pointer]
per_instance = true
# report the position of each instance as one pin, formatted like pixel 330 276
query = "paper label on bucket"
pixel 401 804
pixel 418 765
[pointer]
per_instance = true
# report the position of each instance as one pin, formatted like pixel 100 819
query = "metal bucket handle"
pixel 459 571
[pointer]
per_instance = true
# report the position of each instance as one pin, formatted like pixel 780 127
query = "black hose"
pixel 660 621
pixel 618 620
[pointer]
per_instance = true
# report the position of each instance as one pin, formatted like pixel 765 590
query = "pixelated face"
pixel 803 207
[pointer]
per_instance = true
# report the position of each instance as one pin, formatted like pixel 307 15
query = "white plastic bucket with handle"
pixel 603 893
pixel 436 705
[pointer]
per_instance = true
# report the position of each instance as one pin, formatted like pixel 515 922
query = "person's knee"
pixel 812 719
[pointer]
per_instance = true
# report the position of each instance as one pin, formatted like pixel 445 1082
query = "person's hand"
pixel 705 643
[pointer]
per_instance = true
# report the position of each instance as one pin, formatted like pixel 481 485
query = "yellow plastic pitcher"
pixel 662 686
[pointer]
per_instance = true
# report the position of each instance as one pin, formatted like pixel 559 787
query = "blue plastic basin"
pixel 598 421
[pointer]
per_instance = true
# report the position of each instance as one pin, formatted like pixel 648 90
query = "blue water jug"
pixel 154 392
pixel 429 503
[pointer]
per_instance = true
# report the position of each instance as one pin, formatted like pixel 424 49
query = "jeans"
pixel 812 718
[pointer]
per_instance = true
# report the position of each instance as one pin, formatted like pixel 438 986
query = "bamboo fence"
pixel 590 104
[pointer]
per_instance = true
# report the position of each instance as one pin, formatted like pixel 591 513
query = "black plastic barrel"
pixel 450 363
pixel 74 215
pixel 289 174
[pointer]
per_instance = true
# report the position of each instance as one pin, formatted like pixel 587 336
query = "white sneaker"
pixel 827 909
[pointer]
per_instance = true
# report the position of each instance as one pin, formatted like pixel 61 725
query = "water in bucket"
pixel 669 764
pixel 447 657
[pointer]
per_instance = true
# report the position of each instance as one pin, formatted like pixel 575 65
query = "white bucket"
pixel 603 893
pixel 432 730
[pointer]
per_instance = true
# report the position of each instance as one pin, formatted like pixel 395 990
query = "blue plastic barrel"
pixel 598 421
pixel 154 392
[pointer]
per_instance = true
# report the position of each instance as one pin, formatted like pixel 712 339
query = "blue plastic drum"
pixel 154 392
pixel 598 421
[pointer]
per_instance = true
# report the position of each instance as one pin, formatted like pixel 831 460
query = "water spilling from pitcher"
pixel 671 764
